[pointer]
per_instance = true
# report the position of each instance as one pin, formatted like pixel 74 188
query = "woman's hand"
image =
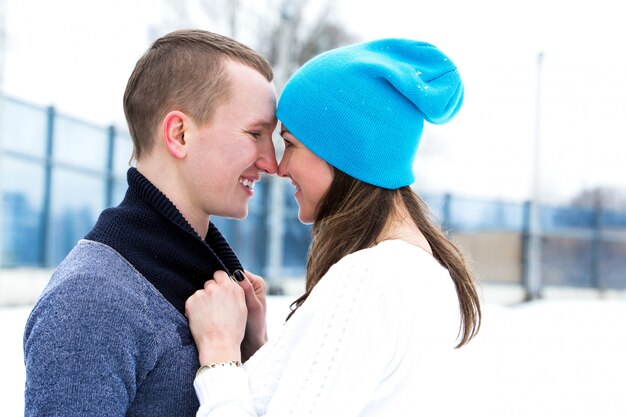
pixel 256 326
pixel 217 318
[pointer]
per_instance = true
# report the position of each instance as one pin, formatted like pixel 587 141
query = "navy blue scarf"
pixel 150 233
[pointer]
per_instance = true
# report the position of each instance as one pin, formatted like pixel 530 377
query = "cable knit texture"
pixel 368 341
pixel 107 337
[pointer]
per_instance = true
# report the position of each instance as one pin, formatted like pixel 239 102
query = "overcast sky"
pixel 78 54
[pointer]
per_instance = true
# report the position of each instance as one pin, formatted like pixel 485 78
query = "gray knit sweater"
pixel 99 323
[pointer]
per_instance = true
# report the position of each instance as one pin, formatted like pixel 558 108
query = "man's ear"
pixel 174 126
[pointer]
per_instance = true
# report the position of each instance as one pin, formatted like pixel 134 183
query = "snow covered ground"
pixel 546 358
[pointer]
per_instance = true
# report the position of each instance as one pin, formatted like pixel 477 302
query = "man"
pixel 108 335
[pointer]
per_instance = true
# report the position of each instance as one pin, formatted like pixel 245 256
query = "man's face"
pixel 228 154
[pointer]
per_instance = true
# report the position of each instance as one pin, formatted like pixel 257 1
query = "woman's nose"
pixel 283 168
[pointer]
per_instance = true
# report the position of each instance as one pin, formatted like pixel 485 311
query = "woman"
pixel 387 294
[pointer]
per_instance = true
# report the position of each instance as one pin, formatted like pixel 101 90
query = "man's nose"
pixel 267 159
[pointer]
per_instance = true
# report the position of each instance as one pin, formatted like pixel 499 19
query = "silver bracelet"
pixel 203 368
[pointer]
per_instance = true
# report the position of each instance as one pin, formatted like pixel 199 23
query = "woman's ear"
pixel 174 126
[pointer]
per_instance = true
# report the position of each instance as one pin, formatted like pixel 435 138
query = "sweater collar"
pixel 153 197
pixel 152 234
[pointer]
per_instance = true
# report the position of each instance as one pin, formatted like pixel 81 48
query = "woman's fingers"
pixel 254 291
pixel 256 327
pixel 221 277
pixel 217 318
pixel 248 290
pixel 257 283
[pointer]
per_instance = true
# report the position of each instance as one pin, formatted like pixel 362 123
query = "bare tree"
pixel 324 34
pixel 228 11
pixel 265 26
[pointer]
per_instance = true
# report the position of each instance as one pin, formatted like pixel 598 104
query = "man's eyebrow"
pixel 262 123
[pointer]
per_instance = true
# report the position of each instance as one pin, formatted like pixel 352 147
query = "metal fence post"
pixel 525 237
pixel 533 278
pixel 596 246
pixel 531 257
pixel 108 169
pixel 446 221
pixel 47 188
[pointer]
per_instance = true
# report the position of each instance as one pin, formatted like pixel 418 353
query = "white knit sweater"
pixel 366 342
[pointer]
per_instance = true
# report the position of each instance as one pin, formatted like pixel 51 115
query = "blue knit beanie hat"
pixel 361 108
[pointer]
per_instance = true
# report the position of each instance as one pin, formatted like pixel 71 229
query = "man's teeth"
pixel 247 183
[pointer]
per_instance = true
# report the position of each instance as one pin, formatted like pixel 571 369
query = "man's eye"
pixel 255 134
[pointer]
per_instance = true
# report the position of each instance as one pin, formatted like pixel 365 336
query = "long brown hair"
pixel 352 215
